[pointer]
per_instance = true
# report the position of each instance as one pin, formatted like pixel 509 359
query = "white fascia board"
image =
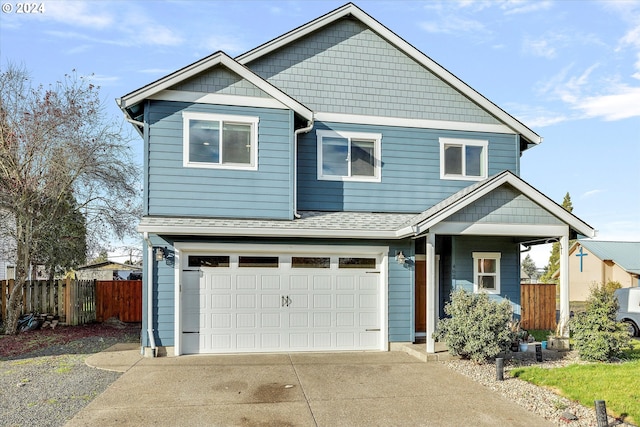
pixel 217 99
pixel 279 248
pixel 413 123
pixel 203 65
pixel 486 229
pixel 267 232
pixel 407 48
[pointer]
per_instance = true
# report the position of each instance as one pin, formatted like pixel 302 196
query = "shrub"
pixel 597 334
pixel 478 328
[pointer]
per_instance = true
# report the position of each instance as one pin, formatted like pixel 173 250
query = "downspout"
pixel 149 282
pixel 295 165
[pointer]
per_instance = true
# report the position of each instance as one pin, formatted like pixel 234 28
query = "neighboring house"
pixel 593 262
pixel 326 191
pixel 108 270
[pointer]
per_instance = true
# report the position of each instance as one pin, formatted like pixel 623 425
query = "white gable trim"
pixel 492 184
pixel 219 99
pixel 218 58
pixel 400 43
pixel 412 123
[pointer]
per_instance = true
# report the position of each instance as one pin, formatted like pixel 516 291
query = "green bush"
pixel 597 334
pixel 478 328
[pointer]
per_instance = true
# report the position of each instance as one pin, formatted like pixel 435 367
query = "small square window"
pixel 310 262
pixel 357 263
pixel 486 276
pixel 348 156
pixel 464 159
pixel 218 141
pixel 258 262
pixel 208 261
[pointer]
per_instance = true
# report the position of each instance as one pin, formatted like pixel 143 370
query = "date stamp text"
pixel 23 8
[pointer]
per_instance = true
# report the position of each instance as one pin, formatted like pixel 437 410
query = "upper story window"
pixel 348 156
pixel 220 141
pixel 464 159
pixel 486 272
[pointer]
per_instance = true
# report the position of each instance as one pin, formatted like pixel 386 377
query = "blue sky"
pixel 570 70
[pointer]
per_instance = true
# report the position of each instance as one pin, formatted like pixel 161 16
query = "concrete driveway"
pixel 310 389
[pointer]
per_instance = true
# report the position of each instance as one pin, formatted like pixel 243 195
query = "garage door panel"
pixel 322 301
pixel 298 283
pixel 246 320
pixel 270 283
pixel 246 301
pixel 270 301
pixel 322 283
pixel 299 320
pixel 345 320
pixel 322 319
pixel 270 320
pixel 242 308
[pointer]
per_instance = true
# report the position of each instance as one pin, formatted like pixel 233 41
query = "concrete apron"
pixel 299 389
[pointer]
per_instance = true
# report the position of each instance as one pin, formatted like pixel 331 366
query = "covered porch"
pixel 472 240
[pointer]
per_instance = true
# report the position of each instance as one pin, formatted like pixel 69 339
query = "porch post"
pixel 563 329
pixel 431 292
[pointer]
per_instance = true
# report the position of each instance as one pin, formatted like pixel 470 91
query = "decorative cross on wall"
pixel 581 255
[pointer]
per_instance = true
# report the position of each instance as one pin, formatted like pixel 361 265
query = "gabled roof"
pixel 624 254
pixel 218 58
pixel 351 10
pixel 439 212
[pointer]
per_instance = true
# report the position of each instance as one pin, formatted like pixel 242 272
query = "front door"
pixel 421 293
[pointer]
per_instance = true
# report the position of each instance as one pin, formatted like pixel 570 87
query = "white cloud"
pixel 541 47
pixel 453 25
pixel 514 7
pixel 227 43
pixel 623 104
pixel 590 193
pixel 79 13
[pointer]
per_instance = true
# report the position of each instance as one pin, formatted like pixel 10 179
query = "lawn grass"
pixel 615 383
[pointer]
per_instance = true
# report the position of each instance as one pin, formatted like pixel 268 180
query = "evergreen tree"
pixel 529 267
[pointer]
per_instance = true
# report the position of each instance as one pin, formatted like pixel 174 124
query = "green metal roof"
pixel 625 254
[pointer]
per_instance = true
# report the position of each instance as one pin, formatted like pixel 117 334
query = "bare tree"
pixel 57 145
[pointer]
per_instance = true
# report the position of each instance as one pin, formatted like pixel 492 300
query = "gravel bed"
pixel 547 404
pixel 46 387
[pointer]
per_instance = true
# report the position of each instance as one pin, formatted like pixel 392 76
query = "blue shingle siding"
pixel 461 274
pixel 220 80
pixel 174 190
pixel 347 68
pixel 410 170
pixel 505 205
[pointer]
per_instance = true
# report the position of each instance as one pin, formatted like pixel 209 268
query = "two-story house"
pixel 325 191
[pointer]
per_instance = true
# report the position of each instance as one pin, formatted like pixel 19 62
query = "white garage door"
pixel 255 303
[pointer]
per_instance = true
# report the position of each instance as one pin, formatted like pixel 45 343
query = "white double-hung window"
pixel 464 159
pixel 220 141
pixel 348 156
pixel 486 272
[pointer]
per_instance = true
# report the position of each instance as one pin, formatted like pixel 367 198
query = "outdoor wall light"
pixel 400 258
pixel 160 254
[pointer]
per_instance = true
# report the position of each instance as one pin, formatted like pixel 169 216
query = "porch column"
pixel 563 329
pixel 431 292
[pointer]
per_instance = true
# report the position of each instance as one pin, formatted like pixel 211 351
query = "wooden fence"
pixel 538 306
pixel 76 302
pixel 119 298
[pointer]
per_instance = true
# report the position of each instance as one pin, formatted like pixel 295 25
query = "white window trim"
pixel 464 143
pixel 377 137
pixel 486 255
pixel 253 121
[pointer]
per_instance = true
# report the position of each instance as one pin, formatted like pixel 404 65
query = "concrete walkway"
pixel 296 389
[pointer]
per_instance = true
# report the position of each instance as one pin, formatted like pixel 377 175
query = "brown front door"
pixel 421 294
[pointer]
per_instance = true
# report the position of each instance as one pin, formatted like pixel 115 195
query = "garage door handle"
pixel 285 301
pixel 372 330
